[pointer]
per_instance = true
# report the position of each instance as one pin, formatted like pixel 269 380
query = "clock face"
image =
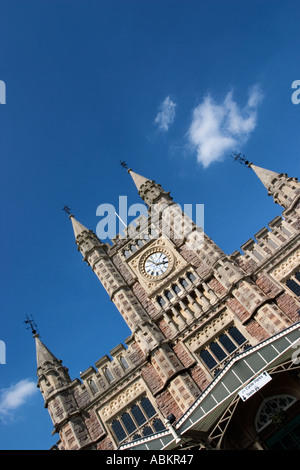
pixel 156 264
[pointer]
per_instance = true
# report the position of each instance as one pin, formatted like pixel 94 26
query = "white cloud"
pixel 166 114
pixel 15 396
pixel 217 129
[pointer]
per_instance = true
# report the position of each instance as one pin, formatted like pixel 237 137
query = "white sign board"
pixel 254 386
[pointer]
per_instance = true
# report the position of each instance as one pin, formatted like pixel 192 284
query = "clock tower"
pixel 203 324
pixel 146 273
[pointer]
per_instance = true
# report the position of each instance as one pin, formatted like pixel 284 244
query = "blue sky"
pixel 170 86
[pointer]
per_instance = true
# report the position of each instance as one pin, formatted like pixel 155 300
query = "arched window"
pixel 118 430
pixel 138 415
pixel 183 282
pixel 176 288
pixel 147 431
pixel 168 294
pixel 294 283
pixel 160 301
pixel 158 425
pixel 191 277
pixel 147 407
pixel 128 423
pixel 123 362
pixel 92 386
pixel 271 408
pixel 108 374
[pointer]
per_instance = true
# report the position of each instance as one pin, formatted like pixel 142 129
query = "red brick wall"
pixel 289 306
pixel 238 309
pixel 200 377
pixel 167 404
pixel 106 444
pixel 185 358
pixel 270 288
pixel 152 379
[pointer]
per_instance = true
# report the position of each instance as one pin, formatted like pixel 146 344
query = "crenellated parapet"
pixel 269 245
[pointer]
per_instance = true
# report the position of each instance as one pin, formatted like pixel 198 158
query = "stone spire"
pixel 284 189
pixel 47 363
pixel 265 176
pixel 77 226
pixel 58 391
pixel 43 355
pixel 138 179
pixel 150 191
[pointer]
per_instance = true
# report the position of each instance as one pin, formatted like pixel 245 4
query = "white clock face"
pixel 156 264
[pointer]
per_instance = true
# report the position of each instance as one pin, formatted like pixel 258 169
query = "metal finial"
pixel 31 324
pixel 67 210
pixel 124 165
pixel 238 157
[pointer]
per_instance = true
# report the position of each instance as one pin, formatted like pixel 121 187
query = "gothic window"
pixel 176 288
pixel 108 374
pixel 183 282
pixel 271 408
pixel 222 347
pixel 147 431
pixel 158 425
pixel 208 359
pixel 126 253
pixel 293 283
pixel 123 362
pixel 147 406
pixel 160 301
pixel 138 415
pixel 191 277
pixel 168 294
pixel 93 386
pixel 139 420
pixel 118 430
pixel 128 423
pixel 236 335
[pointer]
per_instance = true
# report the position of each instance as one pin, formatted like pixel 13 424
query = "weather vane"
pixel 238 157
pixel 124 165
pixel 67 210
pixel 31 324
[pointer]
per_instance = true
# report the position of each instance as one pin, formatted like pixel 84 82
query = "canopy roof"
pixel 214 401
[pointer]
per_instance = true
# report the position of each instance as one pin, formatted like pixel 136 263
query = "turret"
pixel 150 191
pixel 58 389
pixel 95 253
pixel 285 190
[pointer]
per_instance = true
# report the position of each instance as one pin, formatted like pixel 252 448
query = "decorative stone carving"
pixel 210 330
pixel 287 267
pixel 122 399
